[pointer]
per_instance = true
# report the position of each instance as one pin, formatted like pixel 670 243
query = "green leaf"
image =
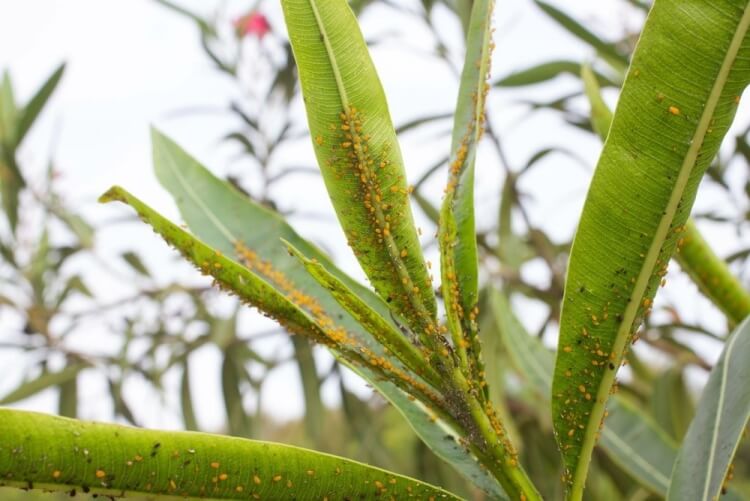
pixel 186 400
pixel 438 434
pixel 73 284
pixel 417 122
pixel 276 296
pixel 601 115
pixel 107 459
pixel 720 421
pixel 629 436
pixel 315 411
pixel 8 114
pixel 383 331
pixel 11 179
pixel 712 275
pixel 239 423
pixel 67 404
pixel 42 382
pixel 457 234
pixel 672 404
pixel 220 215
pixel 605 49
pixel 678 100
pixel 29 114
pixel 359 156
pixel 199 21
pixel 230 275
pixel 547 71
pixel 135 262
pixel 80 228
pixel 709 272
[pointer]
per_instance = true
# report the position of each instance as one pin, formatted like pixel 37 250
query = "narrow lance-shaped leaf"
pixel 691 64
pixel 605 49
pixel 67 400
pixel 189 420
pixel 709 272
pixel 601 115
pixel 8 112
pixel 42 382
pixel 359 156
pixel 270 292
pixel 11 180
pixel 315 411
pixel 457 233
pixel 720 422
pixel 218 215
pixel 239 423
pixel 671 403
pixel 59 454
pixel 31 111
pixel 229 274
pixel 547 71
pixel 712 275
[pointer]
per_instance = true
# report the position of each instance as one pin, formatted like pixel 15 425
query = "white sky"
pixel 131 64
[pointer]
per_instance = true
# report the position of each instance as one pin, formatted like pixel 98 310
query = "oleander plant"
pixel 413 332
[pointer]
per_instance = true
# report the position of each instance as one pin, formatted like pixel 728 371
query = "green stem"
pixel 712 276
pixel 503 462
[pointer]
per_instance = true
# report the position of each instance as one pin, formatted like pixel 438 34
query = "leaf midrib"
pixel 198 202
pixel 657 243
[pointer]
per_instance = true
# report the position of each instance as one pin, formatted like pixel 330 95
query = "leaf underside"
pixel 359 156
pixel 691 65
pixel 719 424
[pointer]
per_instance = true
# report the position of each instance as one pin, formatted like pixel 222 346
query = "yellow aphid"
pixel 674 110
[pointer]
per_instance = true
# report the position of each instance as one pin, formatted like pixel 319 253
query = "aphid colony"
pixel 605 354
pixel 382 191
pixel 333 335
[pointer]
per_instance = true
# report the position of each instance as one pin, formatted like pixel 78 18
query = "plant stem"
pixel 712 276
pixel 503 463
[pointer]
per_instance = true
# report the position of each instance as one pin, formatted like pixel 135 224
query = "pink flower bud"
pixel 254 24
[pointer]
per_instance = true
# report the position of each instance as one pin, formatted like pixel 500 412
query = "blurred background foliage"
pixel 44 298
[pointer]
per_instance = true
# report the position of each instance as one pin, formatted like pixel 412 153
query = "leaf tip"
pixel 114 194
